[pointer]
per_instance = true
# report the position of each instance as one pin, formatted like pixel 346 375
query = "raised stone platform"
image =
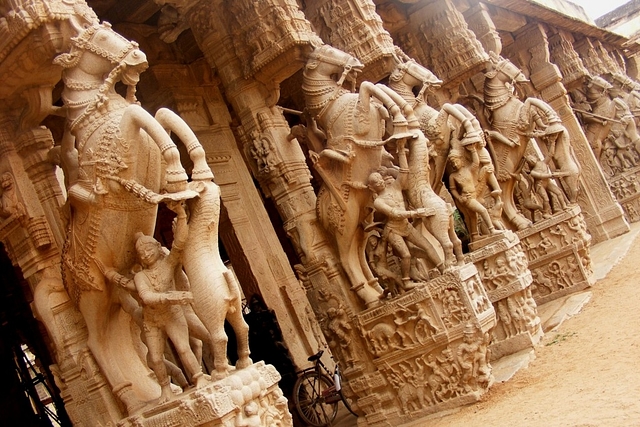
pixel 247 397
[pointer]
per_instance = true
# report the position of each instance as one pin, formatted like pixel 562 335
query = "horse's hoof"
pixel 219 375
pixel 244 363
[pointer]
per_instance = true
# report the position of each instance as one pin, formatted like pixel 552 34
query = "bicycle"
pixel 316 394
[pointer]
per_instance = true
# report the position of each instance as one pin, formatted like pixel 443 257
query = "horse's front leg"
pixel 136 118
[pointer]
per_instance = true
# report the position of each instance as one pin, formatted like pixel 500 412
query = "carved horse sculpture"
pixel 445 129
pixel 112 153
pixel 511 123
pixel 216 292
pixel 353 126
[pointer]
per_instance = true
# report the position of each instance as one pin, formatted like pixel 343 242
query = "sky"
pixel 597 8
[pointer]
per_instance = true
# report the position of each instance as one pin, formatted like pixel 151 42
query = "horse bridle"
pixel 346 67
pixel 84 41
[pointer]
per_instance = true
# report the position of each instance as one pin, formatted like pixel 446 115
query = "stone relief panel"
pixel 558 252
pixel 412 340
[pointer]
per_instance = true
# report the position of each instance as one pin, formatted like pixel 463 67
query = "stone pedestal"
pixel 626 189
pixel 558 252
pixel 506 278
pixel 245 398
pixel 429 347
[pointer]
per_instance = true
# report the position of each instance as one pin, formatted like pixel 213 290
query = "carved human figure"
pixel 517 315
pixel 488 275
pixel 452 309
pixel 249 416
pixel 525 193
pixel 463 182
pixel 376 251
pixel 398 230
pixel 438 379
pixel 556 138
pixel 467 357
pixel 9 203
pixel 545 245
pixel 439 127
pixel 509 123
pixel 553 198
pixel 448 364
pixel 561 234
pixel 340 330
pixel 599 119
pixel 559 277
pixel 504 273
pixel 161 304
pixel 424 324
pixel 403 321
pixel 114 152
pixel 346 131
pixel 505 319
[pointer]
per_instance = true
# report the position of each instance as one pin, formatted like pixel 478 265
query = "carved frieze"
pixel 558 249
pixel 503 267
pixel 626 189
pixel 430 345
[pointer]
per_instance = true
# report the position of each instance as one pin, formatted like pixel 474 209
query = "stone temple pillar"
pixel 603 214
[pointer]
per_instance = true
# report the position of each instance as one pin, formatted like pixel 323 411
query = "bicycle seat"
pixel 316 356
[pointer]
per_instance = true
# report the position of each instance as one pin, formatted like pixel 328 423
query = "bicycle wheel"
pixel 346 404
pixel 310 401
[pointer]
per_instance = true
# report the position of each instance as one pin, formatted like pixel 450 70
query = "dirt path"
pixel 585 374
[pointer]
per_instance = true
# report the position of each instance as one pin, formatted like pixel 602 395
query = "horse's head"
pixel 413 75
pixel 597 87
pixel 504 69
pixel 98 50
pixel 329 61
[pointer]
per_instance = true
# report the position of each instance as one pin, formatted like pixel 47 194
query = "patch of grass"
pixel 561 337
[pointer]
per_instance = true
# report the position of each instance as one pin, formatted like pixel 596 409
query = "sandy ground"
pixel 585 374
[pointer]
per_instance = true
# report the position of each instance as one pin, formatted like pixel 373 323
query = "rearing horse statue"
pixel 353 125
pixel 112 153
pixel 511 123
pixel 445 129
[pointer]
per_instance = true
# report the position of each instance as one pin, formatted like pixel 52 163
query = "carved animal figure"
pixel 346 134
pixel 511 123
pixel 216 292
pixel 406 77
pixel 382 338
pixel 113 151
